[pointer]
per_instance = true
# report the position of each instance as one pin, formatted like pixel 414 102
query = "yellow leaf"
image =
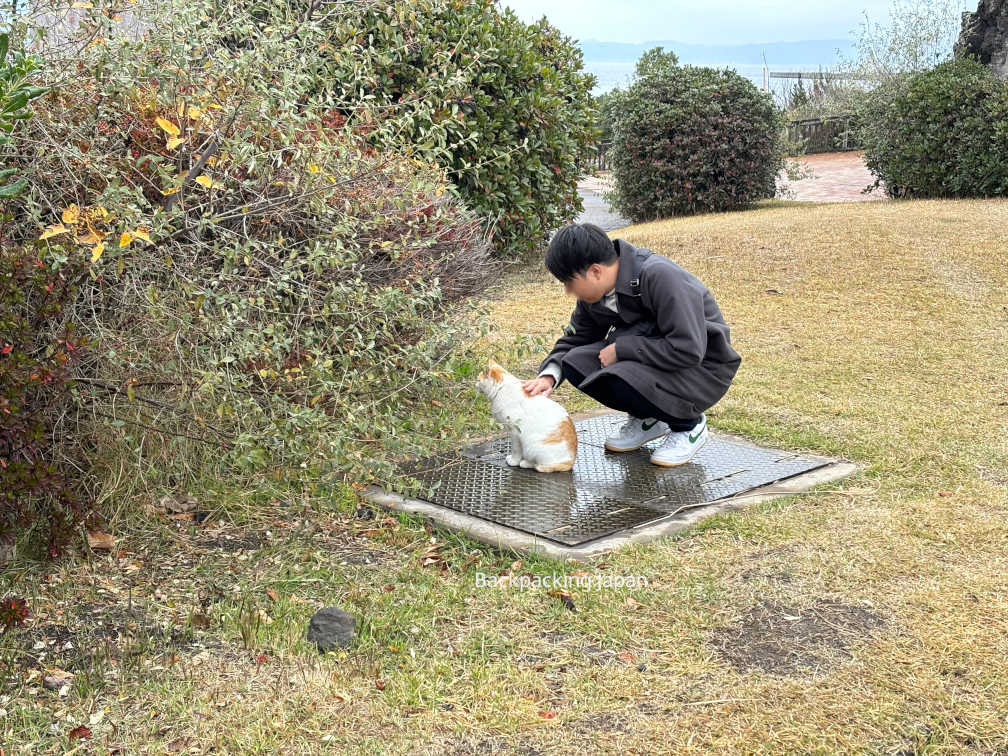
pixel 125 239
pixel 71 215
pixel 81 4
pixel 142 233
pixel 54 231
pixel 209 183
pixel 91 237
pixel 174 142
pixel 313 168
pixel 168 127
pixel 170 190
pixel 96 253
pixel 194 112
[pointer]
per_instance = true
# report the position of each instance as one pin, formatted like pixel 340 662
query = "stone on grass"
pixel 331 628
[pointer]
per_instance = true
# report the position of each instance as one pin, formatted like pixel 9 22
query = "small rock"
pixel 364 513
pixel 331 628
pixel 57 679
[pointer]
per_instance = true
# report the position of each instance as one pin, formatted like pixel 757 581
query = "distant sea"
pixel 613 74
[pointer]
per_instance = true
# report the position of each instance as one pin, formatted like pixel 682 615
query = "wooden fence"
pixel 824 134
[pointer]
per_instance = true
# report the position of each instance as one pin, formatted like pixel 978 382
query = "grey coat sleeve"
pixel 582 329
pixel 678 305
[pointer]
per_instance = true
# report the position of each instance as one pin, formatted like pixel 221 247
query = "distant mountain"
pixel 811 51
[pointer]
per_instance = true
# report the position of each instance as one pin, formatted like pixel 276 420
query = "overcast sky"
pixel 707 22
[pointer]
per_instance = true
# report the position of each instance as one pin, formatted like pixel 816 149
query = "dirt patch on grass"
pixel 784 640
pixel 96 632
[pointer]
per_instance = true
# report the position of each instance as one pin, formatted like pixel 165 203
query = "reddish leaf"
pixel 547 714
pixel 272 594
pixel 626 656
pixel 262 659
pixel 79 733
pixel 379 684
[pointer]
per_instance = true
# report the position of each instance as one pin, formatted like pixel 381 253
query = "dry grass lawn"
pixel 870 616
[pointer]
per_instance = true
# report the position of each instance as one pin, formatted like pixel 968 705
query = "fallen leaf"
pixel 379 684
pixel 96 253
pixel 125 239
pixel 98 540
pixel 626 656
pixel 632 605
pixel 262 659
pixel 79 733
pixel 945 494
pixel 142 233
pixel 174 142
pixel 271 593
pixel 71 215
pixel 547 714
pixel 200 620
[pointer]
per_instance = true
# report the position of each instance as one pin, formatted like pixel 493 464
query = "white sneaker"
pixel 636 432
pixel 680 446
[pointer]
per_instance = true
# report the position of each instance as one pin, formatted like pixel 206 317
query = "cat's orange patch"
pixel 496 372
pixel 564 434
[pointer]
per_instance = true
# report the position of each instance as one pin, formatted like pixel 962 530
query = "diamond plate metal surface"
pixel 606 492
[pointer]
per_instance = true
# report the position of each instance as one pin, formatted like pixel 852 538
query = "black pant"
pixel 615 393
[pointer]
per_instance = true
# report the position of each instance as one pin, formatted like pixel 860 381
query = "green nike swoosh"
pixel 692 439
pixel 645 426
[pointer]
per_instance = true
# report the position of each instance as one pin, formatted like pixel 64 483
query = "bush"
pixel 266 293
pixel 38 353
pixel 691 139
pixel 940 133
pixel 503 106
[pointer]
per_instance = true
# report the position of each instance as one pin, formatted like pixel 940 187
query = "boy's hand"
pixel 608 356
pixel 542 385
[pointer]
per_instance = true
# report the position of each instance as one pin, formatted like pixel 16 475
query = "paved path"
pixel 836 177
pixel 597 210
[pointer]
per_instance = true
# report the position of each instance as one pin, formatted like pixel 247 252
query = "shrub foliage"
pixel 939 133
pixel 691 139
pixel 264 292
pixel 503 106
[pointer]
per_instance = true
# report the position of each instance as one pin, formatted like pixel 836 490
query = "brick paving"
pixel 836 177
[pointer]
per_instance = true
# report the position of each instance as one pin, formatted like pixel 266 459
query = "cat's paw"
pixel 526 463
pixel 512 460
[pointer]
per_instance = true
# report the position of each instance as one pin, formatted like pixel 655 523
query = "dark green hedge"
pixel 690 139
pixel 502 105
pixel 939 133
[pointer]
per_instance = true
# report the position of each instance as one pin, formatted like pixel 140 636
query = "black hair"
pixel 576 247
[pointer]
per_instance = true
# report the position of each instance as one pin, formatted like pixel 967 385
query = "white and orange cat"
pixel 542 434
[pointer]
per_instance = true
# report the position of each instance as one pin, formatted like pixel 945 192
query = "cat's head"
pixel 490 380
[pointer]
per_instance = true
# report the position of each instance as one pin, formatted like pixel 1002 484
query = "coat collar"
pixel 630 260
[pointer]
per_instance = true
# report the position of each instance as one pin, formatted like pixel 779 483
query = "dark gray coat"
pixel 672 342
